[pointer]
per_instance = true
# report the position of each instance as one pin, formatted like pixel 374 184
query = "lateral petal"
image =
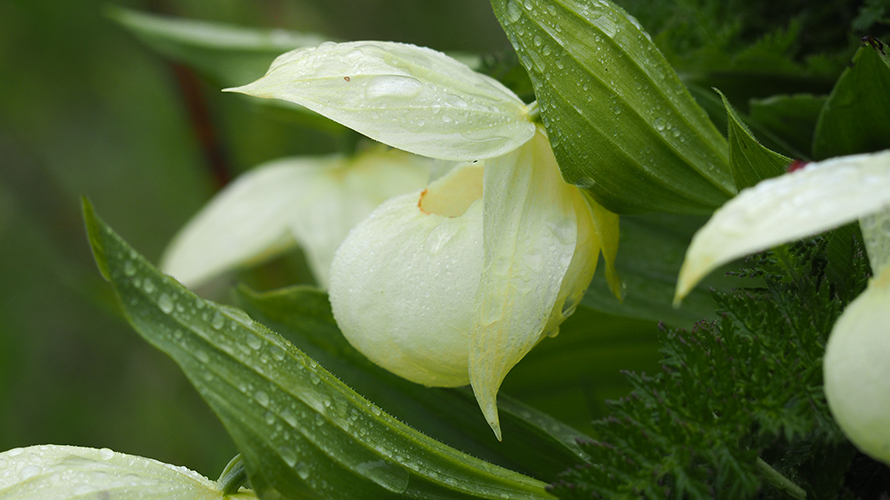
pixel 816 198
pixel 530 231
pixel 313 202
pixel 411 98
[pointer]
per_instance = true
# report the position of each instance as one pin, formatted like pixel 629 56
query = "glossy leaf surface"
pixel 750 161
pixel 621 123
pixel 301 432
pixel 856 116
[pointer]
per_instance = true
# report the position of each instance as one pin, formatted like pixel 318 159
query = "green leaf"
pixel 856 116
pixel 621 123
pixel 650 254
pixel 750 161
pixel 70 472
pixel 301 432
pixel 228 55
pixel 792 118
pixel 537 444
pixel 713 105
pixel 408 97
pixel 224 54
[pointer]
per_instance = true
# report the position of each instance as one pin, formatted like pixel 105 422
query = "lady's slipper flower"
pixel 807 201
pixel 311 202
pixel 456 283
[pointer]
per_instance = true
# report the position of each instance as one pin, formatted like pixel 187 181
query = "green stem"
pixel 233 477
pixel 779 481
pixel 534 112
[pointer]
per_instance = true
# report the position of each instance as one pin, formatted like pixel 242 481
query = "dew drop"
pixel 148 286
pixel 289 417
pixel 314 378
pixel 514 11
pixel 254 342
pixel 261 398
pixel 269 417
pixel 288 455
pixel 202 356
pixel 303 470
pixel 165 303
pixel 277 352
pixel 29 472
pixel 659 123
pixel 129 268
pixel 392 86
pixel 218 321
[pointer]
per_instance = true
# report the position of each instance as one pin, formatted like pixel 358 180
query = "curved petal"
pixel 310 202
pixel 816 198
pixel 246 222
pixel 408 97
pixel 530 235
pixel 404 281
pixel 857 374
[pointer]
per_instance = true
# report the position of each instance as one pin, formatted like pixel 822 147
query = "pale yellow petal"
pixel 530 236
pixel 411 98
pixel 71 472
pixel 819 197
pixel 310 202
pixel 246 222
pixel 606 225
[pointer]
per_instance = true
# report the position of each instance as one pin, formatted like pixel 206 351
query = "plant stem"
pixel 779 481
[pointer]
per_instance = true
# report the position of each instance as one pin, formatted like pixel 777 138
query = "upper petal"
pixel 816 198
pixel 408 97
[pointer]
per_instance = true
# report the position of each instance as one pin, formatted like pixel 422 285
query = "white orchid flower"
pixel 813 199
pixel 310 202
pixel 456 283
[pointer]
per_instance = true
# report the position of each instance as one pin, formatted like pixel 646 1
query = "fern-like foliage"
pixel 739 401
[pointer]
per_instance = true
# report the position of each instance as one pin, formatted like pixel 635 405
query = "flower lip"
pixel 452 195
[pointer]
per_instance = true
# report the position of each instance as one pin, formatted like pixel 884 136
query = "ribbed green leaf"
pixel 856 116
pixel 621 123
pixel 301 432
pixel 650 254
pixel 750 161
pixel 70 473
pixel 540 445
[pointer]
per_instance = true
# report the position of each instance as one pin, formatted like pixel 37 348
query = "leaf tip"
pixel 94 226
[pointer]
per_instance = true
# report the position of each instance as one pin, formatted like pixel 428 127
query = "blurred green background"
pixel 87 110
